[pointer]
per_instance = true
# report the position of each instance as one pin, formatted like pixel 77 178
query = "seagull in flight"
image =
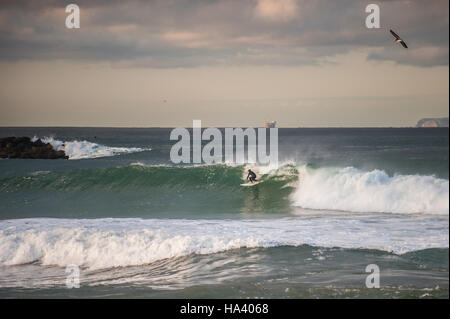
pixel 398 39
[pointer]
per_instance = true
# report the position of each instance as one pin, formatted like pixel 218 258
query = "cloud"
pixel 422 56
pixel 190 33
pixel 275 10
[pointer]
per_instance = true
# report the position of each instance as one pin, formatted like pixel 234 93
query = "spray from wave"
pixel 353 190
pixel 84 149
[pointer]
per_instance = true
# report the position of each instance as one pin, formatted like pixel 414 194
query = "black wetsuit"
pixel 251 176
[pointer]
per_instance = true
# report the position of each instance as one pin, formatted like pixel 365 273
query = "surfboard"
pixel 251 184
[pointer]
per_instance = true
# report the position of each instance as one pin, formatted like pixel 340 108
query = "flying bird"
pixel 398 39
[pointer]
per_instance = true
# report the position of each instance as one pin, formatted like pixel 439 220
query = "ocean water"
pixel 138 226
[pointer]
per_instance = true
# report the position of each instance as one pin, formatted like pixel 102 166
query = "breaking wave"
pixel 354 190
pixel 106 243
pixel 85 149
pixel 213 187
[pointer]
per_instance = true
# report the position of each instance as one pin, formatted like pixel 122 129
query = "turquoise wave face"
pixel 137 190
pixel 140 191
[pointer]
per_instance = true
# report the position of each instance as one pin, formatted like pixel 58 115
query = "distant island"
pixel 433 122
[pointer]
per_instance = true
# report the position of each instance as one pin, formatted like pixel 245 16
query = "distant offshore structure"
pixel 433 122
pixel 270 124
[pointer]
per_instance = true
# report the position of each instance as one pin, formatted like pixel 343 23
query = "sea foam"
pixel 106 243
pixel 85 149
pixel 353 190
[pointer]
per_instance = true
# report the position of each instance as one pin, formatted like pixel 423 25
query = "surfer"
pixel 251 176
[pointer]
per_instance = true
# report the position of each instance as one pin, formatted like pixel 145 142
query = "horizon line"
pixel 171 127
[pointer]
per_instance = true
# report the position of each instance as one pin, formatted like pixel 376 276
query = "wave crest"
pixel 353 190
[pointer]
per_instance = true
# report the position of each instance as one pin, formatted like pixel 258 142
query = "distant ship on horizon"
pixel 270 124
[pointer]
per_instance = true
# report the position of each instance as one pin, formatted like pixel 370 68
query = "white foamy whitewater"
pixel 353 190
pixel 106 243
pixel 86 149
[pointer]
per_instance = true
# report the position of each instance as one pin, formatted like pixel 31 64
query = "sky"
pixel 165 63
